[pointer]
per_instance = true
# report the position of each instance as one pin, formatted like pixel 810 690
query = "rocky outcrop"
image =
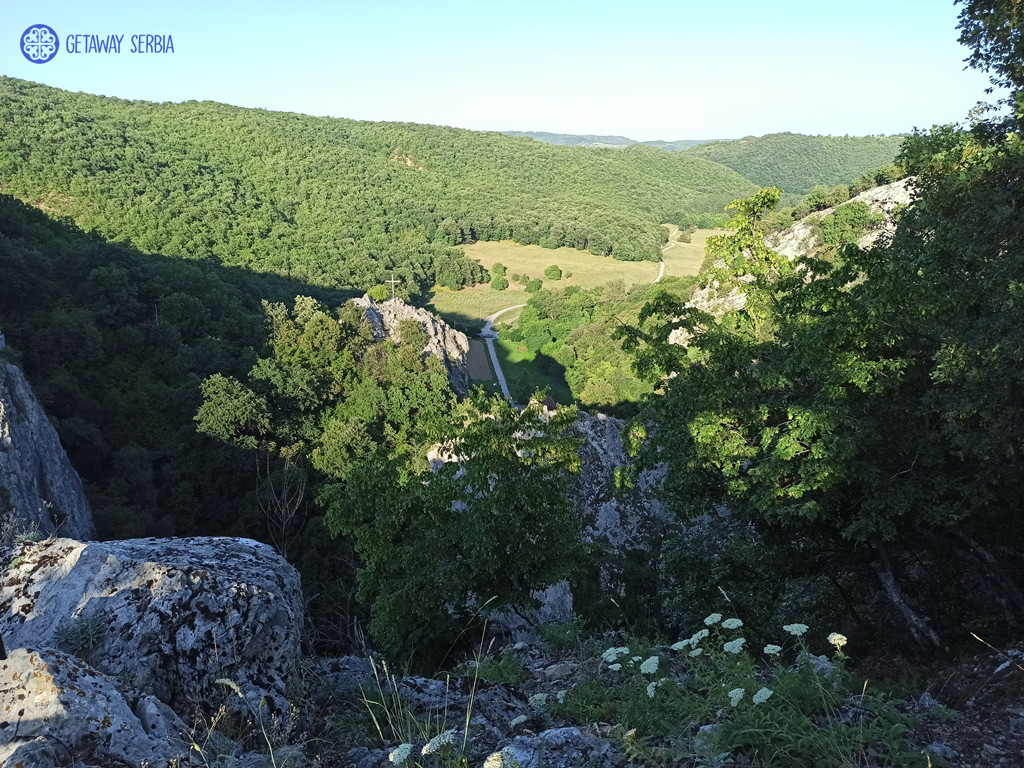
pixel 173 616
pixel 39 489
pixel 800 239
pixel 450 346
pixel 57 711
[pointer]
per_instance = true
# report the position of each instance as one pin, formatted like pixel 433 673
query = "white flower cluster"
pixel 653 686
pixel 735 646
pixel 732 624
pixel 714 618
pixel 538 700
pixel 506 758
pixel 837 640
pixel 772 650
pixel 763 695
pixel 400 754
pixel 735 695
pixel 612 654
pixel 796 629
pixel 650 666
pixel 439 742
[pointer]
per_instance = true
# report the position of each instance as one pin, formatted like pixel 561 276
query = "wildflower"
pixel 696 651
pixel 735 695
pixel 650 688
pixel 795 629
pixel 561 697
pixel 612 654
pixel 538 700
pixel 732 624
pixel 614 667
pixel 506 758
pixel 772 650
pixel 400 754
pixel 698 636
pixel 837 640
pixel 635 659
pixel 714 618
pixel 439 742
pixel 680 645
pixel 735 646
pixel 518 721
pixel 650 666
pixel 763 695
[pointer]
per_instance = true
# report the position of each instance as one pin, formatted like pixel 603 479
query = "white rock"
pixel 175 615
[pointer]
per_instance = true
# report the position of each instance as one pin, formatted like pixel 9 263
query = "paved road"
pixel 488 334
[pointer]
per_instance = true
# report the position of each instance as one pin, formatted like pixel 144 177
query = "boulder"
pixel 39 489
pixel 172 616
pixel 443 341
pixel 57 711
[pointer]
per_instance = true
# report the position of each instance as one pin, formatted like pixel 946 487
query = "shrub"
pixel 553 272
pixel 378 292
pixel 498 270
pixel 499 283
pixel 532 286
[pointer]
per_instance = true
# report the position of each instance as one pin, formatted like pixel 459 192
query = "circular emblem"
pixel 39 43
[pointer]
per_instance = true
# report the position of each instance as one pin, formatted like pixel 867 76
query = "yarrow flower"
pixel 650 666
pixel 506 758
pixel 837 640
pixel 714 618
pixel 772 650
pixel 698 636
pixel 400 754
pixel 612 654
pixel 735 695
pixel 439 742
pixel 653 686
pixel 735 646
pixel 681 644
pixel 796 629
pixel 518 721
pixel 732 624
pixel 696 651
pixel 614 667
pixel 538 700
pixel 763 695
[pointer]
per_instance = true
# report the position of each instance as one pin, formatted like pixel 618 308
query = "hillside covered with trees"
pixel 335 202
pixel 797 163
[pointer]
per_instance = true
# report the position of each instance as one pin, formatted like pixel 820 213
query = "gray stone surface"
pixel 57 711
pixel 172 616
pixel 443 341
pixel 39 489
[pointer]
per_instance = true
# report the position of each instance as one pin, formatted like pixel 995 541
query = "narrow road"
pixel 488 334
pixel 661 263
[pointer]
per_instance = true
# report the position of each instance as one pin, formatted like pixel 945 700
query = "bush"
pixel 379 292
pixel 498 270
pixel 532 286
pixel 553 272
pixel 499 283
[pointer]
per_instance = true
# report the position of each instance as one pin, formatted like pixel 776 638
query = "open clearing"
pixel 685 258
pixel 466 309
pixel 525 374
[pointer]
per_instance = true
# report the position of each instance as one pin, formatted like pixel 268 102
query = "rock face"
pixel 170 615
pixel 800 239
pixel 57 711
pixel 443 341
pixel 39 489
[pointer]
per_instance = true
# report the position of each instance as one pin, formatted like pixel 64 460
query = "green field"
pixel 466 309
pixel 526 374
pixel 685 258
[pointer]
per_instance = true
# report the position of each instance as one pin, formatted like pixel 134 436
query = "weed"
pixel 82 635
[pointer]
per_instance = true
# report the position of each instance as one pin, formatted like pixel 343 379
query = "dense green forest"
pixel 334 202
pixel 797 163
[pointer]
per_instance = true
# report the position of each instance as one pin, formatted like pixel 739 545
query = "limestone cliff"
pixel 443 341
pixel 39 489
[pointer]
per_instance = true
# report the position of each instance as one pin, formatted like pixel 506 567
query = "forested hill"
pixel 797 163
pixel 589 140
pixel 330 201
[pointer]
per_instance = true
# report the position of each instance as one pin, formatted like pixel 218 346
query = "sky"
pixel 646 69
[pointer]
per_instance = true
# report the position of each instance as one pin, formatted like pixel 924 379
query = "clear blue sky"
pixel 647 69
